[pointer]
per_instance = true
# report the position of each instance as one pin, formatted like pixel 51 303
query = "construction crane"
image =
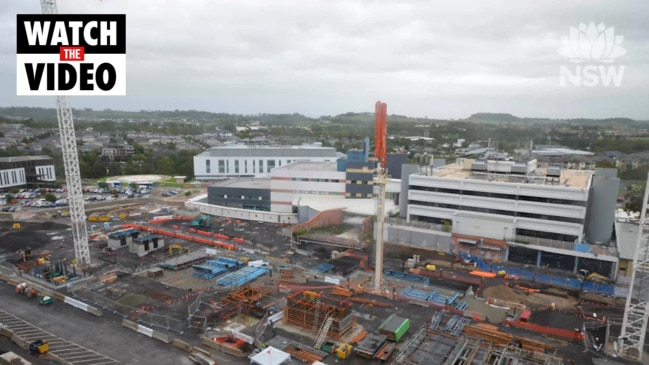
pixel 71 165
pixel 636 312
pixel 380 180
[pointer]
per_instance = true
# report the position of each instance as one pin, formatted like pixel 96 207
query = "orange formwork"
pixel 310 310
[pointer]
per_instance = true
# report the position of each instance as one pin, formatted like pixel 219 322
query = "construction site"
pixel 226 289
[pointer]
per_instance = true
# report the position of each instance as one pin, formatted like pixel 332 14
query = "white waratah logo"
pixel 592 43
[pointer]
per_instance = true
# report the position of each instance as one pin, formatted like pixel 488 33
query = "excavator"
pixel 202 221
pixel 177 250
pixel 593 277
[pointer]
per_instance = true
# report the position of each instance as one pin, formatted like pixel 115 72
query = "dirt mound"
pixel 19 240
pixel 502 292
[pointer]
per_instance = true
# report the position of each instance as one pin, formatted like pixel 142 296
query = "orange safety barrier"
pixel 204 233
pixel 240 240
pixel 182 236
pixel 192 230
pixel 483 274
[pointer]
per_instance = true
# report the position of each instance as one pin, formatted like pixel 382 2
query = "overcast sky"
pixel 441 59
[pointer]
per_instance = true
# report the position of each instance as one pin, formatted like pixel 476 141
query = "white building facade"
pixel 304 179
pixel 21 170
pixel 256 161
pixel 499 209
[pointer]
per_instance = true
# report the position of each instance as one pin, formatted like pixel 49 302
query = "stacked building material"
pixel 306 356
pixel 394 327
pixel 407 276
pixel 213 268
pixel 187 260
pixel 243 276
pixel 323 267
pixel 370 346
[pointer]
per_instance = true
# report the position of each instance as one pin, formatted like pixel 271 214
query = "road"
pixel 99 338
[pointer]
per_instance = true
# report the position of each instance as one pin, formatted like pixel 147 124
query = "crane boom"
pixel 380 180
pixel 71 165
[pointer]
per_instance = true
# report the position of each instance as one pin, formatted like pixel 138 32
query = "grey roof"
pixel 271 151
pixel 627 236
pixel 309 166
pixel 24 158
pixel 244 183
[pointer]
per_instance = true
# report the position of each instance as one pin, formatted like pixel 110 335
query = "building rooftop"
pixel 626 238
pixel 239 150
pixel 309 166
pixel 245 183
pixel 24 158
pixel 569 178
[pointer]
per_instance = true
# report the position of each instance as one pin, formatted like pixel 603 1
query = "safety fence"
pixel 136 314
pixel 554 280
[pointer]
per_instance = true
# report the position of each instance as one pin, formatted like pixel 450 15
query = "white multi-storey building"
pixel 256 161
pixel 304 179
pixel 21 170
pixel 506 211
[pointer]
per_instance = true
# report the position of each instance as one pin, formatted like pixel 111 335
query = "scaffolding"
pixel 310 310
pixel 435 347
pixel 208 311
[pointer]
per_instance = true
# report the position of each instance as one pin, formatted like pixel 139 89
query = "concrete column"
pixel 538 259
pixel 574 270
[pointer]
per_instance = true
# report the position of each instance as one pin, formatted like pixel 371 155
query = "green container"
pixel 405 326
pixel 328 347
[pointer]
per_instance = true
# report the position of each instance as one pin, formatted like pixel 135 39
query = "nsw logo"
pixel 592 51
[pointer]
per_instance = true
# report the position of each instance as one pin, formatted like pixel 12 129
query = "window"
pixel 221 167
pixel 270 166
pixel 208 169
pixel 236 166
pixel 245 166
pixel 261 166
pixel 253 166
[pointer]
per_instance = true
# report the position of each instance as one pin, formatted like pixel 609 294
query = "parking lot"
pixel 61 348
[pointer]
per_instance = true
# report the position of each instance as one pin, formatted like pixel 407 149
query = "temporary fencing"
pixel 555 280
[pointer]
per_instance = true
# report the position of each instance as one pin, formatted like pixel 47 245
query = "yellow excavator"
pixel 175 250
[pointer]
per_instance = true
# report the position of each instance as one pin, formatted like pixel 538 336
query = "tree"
pixel 50 197
pixel 9 197
pixel 103 185
pixel 634 198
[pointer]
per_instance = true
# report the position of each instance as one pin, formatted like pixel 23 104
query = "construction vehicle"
pixel 202 221
pixel 178 250
pixel 39 347
pixel 45 300
pixel 344 351
pixel 593 277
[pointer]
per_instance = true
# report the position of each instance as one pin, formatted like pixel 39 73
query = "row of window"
pixel 12 177
pixel 306 179
pixel 519 232
pixel 578 203
pixel 243 197
pixel 498 211
pixel 243 168
pixel 45 173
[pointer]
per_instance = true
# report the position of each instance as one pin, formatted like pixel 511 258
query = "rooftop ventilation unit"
pixel 553 171
pixel 479 166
